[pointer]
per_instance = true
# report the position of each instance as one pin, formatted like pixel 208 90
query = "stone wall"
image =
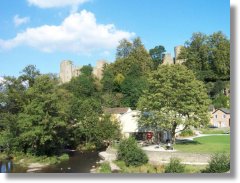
pixel 68 70
pixel 167 59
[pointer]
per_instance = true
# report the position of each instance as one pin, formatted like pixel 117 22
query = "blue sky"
pixel 45 32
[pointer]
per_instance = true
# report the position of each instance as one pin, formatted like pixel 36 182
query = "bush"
pixel 130 153
pixel 175 166
pixel 87 147
pixel 187 133
pixel 105 168
pixel 64 157
pixel 219 163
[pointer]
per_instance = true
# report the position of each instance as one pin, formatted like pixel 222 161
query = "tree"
pixel 29 74
pixel 156 54
pixel 125 79
pixel 84 85
pixel 124 48
pixel 42 124
pixel 208 56
pixel 12 100
pixel 175 97
pixel 220 55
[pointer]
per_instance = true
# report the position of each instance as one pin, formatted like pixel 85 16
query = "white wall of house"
pixel 129 122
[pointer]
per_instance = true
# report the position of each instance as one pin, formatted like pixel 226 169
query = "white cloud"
pixel 79 32
pixel 55 3
pixel 19 21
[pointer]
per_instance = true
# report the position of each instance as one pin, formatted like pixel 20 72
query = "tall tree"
pixel 124 49
pixel 29 74
pixel 156 55
pixel 175 97
pixel 42 124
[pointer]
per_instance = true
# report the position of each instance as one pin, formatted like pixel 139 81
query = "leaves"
pixel 174 98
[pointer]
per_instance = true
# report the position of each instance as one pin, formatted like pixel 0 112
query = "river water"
pixel 79 162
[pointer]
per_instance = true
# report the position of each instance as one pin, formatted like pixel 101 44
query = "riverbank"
pixel 32 163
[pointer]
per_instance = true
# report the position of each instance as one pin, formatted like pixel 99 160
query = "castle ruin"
pixel 68 70
pixel 168 59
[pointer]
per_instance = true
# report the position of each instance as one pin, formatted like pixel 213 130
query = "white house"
pixel 129 122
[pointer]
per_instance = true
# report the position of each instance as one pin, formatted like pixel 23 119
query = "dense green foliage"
pixel 175 97
pixel 209 58
pixel 41 117
pixel 130 153
pixel 219 163
pixel 156 54
pixel 125 80
pixel 174 166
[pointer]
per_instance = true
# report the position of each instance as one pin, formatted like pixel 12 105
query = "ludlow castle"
pixel 68 70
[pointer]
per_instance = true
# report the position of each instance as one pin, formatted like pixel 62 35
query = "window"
pixel 216 116
pixel 224 116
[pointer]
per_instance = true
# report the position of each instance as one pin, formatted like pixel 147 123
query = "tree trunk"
pixel 173 132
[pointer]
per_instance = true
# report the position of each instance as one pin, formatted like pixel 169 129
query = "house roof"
pixel 226 111
pixel 211 108
pixel 117 110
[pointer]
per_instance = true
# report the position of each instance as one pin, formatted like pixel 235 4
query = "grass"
pixel 194 168
pixel 208 144
pixel 26 159
pixel 214 130
pixel 146 168
pixel 104 168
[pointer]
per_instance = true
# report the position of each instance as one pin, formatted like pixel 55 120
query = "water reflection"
pixel 78 163
pixel 5 166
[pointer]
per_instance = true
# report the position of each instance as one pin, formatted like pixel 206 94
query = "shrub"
pixel 105 168
pixel 64 157
pixel 187 133
pixel 219 163
pixel 130 153
pixel 86 147
pixel 175 166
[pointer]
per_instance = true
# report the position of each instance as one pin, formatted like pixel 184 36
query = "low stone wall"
pixel 186 158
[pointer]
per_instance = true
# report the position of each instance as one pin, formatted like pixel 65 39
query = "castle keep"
pixel 68 70
pixel 168 59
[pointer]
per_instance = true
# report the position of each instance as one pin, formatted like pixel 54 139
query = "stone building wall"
pixel 177 51
pixel 167 59
pixel 68 70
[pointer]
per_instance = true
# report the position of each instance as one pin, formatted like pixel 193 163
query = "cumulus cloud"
pixel 17 20
pixel 79 32
pixel 55 3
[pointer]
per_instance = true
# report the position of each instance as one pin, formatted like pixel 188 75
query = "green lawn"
pixel 209 144
pixel 214 130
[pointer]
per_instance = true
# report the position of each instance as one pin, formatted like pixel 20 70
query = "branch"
pixel 183 129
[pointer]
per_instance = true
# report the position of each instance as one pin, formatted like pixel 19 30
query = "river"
pixel 78 162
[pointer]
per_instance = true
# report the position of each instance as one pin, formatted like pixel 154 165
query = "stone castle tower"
pixel 168 59
pixel 68 70
pixel 177 51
